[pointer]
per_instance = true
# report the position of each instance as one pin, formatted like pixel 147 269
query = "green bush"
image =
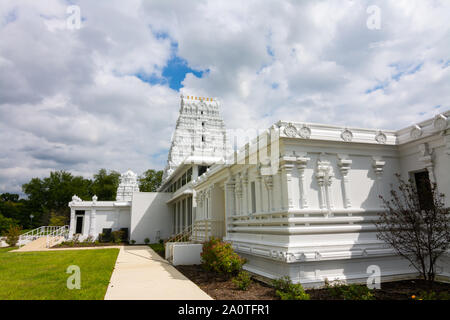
pixel 219 256
pixel 341 290
pixel 12 235
pixel 117 236
pixel 243 280
pixel 133 241
pixel 432 295
pixel 286 290
pixel 147 240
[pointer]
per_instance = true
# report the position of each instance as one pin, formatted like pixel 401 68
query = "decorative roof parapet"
pixel 317 131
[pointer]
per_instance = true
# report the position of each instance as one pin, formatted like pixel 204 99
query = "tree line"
pixel 46 201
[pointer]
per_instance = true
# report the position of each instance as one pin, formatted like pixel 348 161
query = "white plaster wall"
pixel 150 214
pixel 186 254
pixel 112 218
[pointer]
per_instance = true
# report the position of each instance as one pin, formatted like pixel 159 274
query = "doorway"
pixel 79 222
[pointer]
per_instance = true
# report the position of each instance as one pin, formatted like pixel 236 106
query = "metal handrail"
pixel 38 233
pixel 55 236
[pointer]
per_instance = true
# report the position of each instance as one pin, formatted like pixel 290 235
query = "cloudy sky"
pixel 106 95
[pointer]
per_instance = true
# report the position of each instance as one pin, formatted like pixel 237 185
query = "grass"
pixel 42 275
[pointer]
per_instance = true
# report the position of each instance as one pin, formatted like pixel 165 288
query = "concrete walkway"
pixel 141 274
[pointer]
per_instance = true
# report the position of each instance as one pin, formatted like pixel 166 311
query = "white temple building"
pixel 299 200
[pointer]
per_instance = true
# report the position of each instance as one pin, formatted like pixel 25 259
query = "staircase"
pixel 42 238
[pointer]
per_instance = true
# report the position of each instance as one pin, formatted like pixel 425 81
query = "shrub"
pixel 117 236
pixel 341 290
pixel 286 290
pixel 133 241
pixel 147 240
pixel 243 280
pixel 431 295
pixel 12 235
pixel 161 241
pixel 219 256
pixel 75 239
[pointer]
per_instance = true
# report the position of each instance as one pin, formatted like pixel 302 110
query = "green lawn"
pixel 42 275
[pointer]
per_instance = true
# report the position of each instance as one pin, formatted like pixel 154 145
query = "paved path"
pixel 141 274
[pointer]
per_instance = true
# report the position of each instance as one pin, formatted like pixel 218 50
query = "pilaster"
pixel 344 166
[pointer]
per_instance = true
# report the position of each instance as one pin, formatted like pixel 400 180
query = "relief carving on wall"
pixel 347 135
pixel 290 131
pixel 305 132
pixel 380 137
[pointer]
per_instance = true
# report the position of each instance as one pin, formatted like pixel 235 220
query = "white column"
pixel 258 195
pixel 268 180
pixel 72 222
pixel 344 166
pixel 92 224
pixel 287 165
pixel 245 197
pixel 301 166
pixel 229 202
pixel 186 214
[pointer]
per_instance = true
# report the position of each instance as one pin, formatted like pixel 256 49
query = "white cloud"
pixel 71 100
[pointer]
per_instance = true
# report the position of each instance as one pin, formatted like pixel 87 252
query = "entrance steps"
pixel 39 244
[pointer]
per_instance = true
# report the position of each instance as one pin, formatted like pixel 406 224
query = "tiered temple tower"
pixel 128 185
pixel 199 132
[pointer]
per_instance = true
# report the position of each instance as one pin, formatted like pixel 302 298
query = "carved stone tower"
pixel 128 185
pixel 199 132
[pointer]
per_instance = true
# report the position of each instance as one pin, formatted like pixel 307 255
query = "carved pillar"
pixel 245 196
pixel 258 194
pixel 229 201
pixel 378 167
pixel 324 176
pixel 287 165
pixel 301 166
pixel 268 181
pixel 238 193
pixel 344 166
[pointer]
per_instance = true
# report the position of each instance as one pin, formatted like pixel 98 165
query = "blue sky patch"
pixel 176 69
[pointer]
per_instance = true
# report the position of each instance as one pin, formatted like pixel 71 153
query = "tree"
pixel 105 185
pixel 53 193
pixel 150 180
pixel 416 226
pixel 6 223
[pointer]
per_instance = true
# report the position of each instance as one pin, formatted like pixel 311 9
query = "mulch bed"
pixel 88 245
pixel 221 287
